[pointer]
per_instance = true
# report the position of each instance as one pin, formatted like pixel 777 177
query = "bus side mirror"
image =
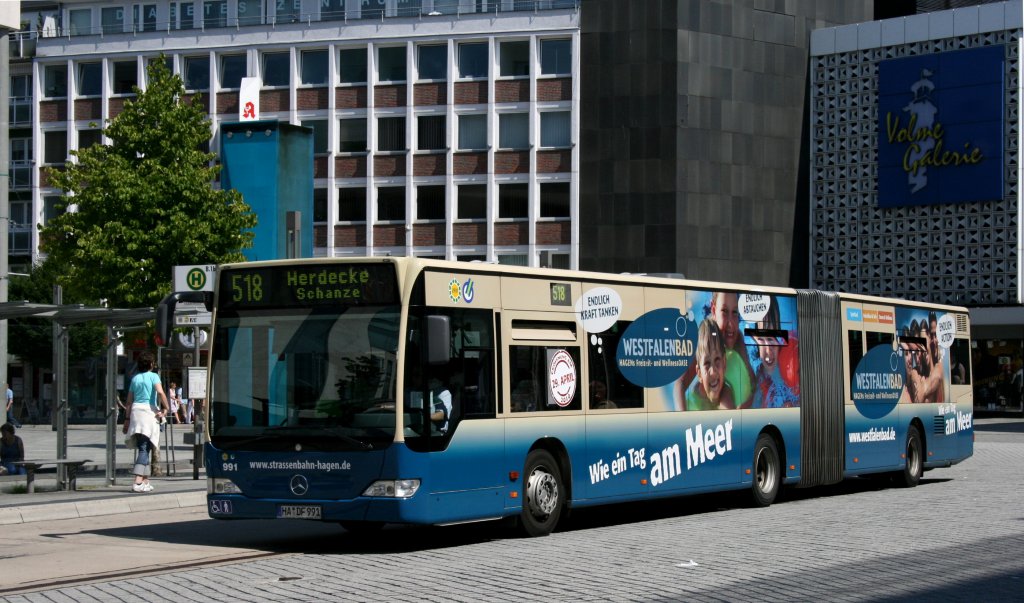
pixel 165 311
pixel 439 339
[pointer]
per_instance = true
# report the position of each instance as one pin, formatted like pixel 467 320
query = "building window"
pixel 288 11
pixel 391 203
pixel 391 134
pixel 433 62
pixel 187 15
pixel 472 131
pixel 276 68
pixel 21 100
pixel 233 68
pixel 215 13
pixel 352 204
pixel 430 132
pixel 554 129
pixel 319 205
pixel 112 19
pixel 55 146
pixel 50 205
pixel 513 201
pixel 319 127
pixel 87 138
pixel 352 66
pixel 21 213
pixel 446 7
pixel 250 12
pixel 314 67
pixel 80 21
pixel 197 73
pixel 554 200
pixel 471 258
pixel 21 86
pixel 561 260
pixel 55 81
pixel 430 202
pixel 514 131
pixel 90 79
pixel 126 77
pixel 21 150
pixel 391 64
pixel 352 135
pixel 556 57
pixel 513 259
pixel 473 60
pixel 514 59
pixel 332 10
pixel 145 17
pixel 472 203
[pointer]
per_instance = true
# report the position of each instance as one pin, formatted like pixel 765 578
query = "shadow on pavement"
pixel 294 536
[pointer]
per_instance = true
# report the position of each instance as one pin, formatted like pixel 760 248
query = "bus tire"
pixel 767 471
pixel 913 466
pixel 543 494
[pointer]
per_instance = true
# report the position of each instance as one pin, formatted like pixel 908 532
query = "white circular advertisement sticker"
pixel 946 330
pixel 753 307
pixel 598 309
pixel 562 378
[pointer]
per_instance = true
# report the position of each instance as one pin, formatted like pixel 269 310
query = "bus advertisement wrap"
pixel 417 391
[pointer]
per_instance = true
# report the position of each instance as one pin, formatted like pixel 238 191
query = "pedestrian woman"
pixel 147 406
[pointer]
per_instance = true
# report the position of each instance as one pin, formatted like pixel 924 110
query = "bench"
pixel 70 467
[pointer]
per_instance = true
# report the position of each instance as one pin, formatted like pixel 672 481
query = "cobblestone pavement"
pixel 958 536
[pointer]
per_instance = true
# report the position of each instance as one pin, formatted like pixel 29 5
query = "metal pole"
pixel 62 422
pixel 5 206
pixel 112 405
pixel 197 425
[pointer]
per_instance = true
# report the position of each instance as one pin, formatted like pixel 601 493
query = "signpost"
pixel 195 278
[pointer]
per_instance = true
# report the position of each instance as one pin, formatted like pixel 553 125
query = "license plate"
pixel 298 512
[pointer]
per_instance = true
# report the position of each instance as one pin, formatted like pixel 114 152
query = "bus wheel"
pixel 914 465
pixel 767 473
pixel 543 494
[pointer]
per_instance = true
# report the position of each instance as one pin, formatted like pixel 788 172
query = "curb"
pixel 98 507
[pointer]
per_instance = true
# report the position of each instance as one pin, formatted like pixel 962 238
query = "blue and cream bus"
pixel 403 390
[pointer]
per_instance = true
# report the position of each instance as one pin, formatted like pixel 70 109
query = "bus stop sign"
pixel 194 278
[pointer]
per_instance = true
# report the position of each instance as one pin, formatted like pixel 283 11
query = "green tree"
pixel 136 208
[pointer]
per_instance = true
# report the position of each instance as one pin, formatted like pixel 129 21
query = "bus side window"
pixel 960 366
pixel 608 388
pixel 531 382
pixel 855 349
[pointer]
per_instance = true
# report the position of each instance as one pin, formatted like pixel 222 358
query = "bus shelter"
pixel 117 321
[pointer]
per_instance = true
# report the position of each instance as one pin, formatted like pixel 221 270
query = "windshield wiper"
pixel 316 432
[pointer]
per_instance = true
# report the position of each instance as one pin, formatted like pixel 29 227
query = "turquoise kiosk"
pixel 271 164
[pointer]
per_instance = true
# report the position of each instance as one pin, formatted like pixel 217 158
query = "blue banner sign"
pixel 940 128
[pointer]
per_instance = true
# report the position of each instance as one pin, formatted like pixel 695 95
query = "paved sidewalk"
pixel 94 496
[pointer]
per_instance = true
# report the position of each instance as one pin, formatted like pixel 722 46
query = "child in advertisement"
pixel 709 391
pixel 777 380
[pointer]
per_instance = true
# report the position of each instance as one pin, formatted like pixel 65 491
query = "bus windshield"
pixel 322 378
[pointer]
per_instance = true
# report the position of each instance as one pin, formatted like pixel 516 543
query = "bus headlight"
pixel 393 488
pixel 221 485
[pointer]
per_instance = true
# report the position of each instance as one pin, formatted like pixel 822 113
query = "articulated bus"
pixel 402 390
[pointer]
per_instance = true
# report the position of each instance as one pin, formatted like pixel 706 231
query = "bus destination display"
pixel 335 284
